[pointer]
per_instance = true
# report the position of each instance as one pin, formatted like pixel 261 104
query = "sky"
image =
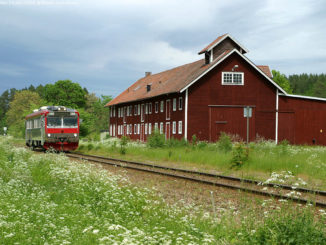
pixel 108 45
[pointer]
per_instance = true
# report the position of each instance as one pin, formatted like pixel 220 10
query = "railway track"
pixel 278 191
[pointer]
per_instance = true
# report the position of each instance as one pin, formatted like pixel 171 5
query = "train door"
pixel 168 109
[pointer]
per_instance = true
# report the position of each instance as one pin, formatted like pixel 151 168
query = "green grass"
pixel 306 162
pixel 47 199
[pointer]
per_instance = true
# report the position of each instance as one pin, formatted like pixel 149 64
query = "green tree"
pixel 282 81
pixel 23 103
pixel 65 93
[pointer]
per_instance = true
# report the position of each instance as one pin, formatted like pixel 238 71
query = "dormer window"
pixel 232 78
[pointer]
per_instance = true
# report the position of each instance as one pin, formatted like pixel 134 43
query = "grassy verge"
pixel 304 164
pixel 46 199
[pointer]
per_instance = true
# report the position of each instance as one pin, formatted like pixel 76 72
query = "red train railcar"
pixel 54 127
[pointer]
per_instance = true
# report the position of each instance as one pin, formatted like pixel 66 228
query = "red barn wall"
pixel 302 121
pixel 257 92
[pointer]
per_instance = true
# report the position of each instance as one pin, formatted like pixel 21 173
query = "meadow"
pixel 48 199
pixel 263 160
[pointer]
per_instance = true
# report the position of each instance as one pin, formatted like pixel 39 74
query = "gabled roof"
pixel 220 39
pixel 179 79
pixel 166 82
pixel 246 59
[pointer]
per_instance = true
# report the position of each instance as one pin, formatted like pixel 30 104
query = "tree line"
pixel 16 104
pixel 302 84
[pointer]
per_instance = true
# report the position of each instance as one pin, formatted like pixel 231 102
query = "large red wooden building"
pixel 207 97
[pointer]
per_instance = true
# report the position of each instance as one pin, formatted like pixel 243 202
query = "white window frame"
pixel 161 128
pixel 180 127
pixel 130 128
pixel 156 126
pixel 150 108
pixel 156 107
pixel 162 106
pixel 127 129
pixel 135 110
pixel 113 129
pixel 138 129
pixel 118 112
pixel 138 109
pixel 146 108
pixel 135 128
pixel 174 107
pixel 145 128
pixel 113 111
pixel 232 78
pixel 150 128
pixel 180 103
pixel 174 127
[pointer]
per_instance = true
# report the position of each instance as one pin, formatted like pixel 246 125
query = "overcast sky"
pixel 108 45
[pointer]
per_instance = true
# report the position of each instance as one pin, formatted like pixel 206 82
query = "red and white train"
pixel 54 127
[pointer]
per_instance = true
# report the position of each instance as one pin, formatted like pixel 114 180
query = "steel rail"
pixel 249 190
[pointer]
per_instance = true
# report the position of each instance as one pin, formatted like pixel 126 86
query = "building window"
pixel 145 128
pixel 135 128
pixel 138 129
pixel 162 106
pixel 149 128
pixel 127 129
pixel 127 111
pixel 130 110
pixel 161 128
pixel 174 104
pixel 119 112
pixel 138 109
pixel 180 127
pixel 146 108
pixel 130 128
pixel 156 107
pixel 174 127
pixel 118 129
pixel 113 129
pixel 150 108
pixel 135 110
pixel 232 78
pixel 113 111
pixel 156 126
pixel 180 103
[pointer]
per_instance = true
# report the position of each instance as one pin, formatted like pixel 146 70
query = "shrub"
pixel 90 146
pixel 194 140
pixel 123 145
pixel 224 142
pixel 156 140
pixel 202 144
pixel 240 154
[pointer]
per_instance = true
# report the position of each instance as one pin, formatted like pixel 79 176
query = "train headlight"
pixel 75 135
pixel 49 135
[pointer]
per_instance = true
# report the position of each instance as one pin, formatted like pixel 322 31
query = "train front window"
pixel 70 122
pixel 54 122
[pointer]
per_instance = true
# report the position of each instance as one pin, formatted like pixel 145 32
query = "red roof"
pixel 166 82
pixel 266 70
pixel 212 43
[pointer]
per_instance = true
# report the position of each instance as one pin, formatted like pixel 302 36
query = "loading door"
pixel 230 120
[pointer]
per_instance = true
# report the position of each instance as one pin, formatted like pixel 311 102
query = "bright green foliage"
pixel 224 142
pixel 282 81
pixel 287 228
pixel 23 104
pixel 156 139
pixel 65 93
pixel 123 145
pixel 240 154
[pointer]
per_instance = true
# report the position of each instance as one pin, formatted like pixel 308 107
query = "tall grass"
pixel 263 159
pixel 46 199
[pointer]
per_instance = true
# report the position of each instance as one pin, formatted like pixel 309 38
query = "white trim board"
pixel 303 97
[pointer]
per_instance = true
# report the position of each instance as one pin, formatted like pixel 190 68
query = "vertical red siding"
pixel 256 91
